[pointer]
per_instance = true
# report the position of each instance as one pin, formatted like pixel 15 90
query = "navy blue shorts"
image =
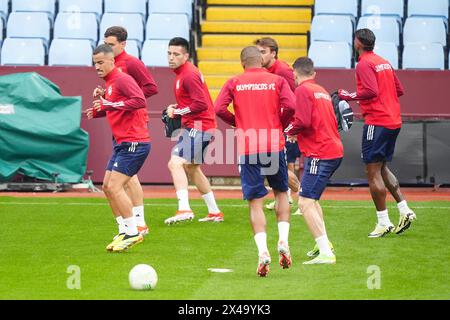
pixel 128 157
pixel 316 176
pixel 255 168
pixel 192 145
pixel 378 144
pixel 292 152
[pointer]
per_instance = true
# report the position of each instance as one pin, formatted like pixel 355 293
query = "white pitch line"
pixel 193 205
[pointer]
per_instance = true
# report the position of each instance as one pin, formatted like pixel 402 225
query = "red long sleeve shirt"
pixel 315 123
pixel 194 103
pixel 125 107
pixel 282 69
pixel 262 103
pixel 378 90
pixel 137 70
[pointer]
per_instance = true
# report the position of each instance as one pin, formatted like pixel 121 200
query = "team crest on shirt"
pixel 110 90
pixel 178 85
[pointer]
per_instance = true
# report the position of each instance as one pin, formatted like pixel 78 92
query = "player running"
pixel 195 107
pixel 125 107
pixel 378 90
pixel 261 102
pixel 116 37
pixel 316 125
pixel 269 51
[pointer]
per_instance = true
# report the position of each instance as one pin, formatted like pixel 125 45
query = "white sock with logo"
pixel 383 218
pixel 211 202
pixel 324 246
pixel 283 231
pixel 130 226
pixel 261 242
pixel 138 213
pixel 403 208
pixel 121 225
pixel 183 200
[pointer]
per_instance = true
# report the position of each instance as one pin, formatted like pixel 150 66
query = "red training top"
pixel 125 108
pixel 262 102
pixel 315 123
pixel 136 69
pixel 282 69
pixel 378 89
pixel 194 103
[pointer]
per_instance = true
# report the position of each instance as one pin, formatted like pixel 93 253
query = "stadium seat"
pixel 386 29
pixel 82 6
pixel 383 8
pixel 130 21
pixel 424 56
pixel 29 25
pixel 332 28
pixel 331 54
pixel 128 6
pixel 4 9
pixel 172 6
pixel 167 26
pixel 333 7
pixel 76 26
pixel 70 52
pixel 47 6
pixel 429 8
pixel 389 51
pixel 154 53
pixel 30 52
pixel 133 48
pixel 424 30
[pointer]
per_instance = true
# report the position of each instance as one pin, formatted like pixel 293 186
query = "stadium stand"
pixel 82 6
pixel 332 28
pixel 20 52
pixel 424 56
pixel 172 6
pixel 162 26
pixel 386 29
pixel 429 8
pixel 29 25
pixel 424 30
pixel 70 52
pixel 154 53
pixel 76 26
pixel 130 21
pixel 128 6
pixel 4 9
pixel 333 7
pixel 331 54
pixel 383 8
pixel 389 51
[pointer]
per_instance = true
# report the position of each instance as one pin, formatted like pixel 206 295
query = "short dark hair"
pixel 268 42
pixel 304 66
pixel 119 32
pixel 367 38
pixel 179 42
pixel 103 48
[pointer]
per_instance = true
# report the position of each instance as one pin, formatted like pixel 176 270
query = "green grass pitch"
pixel 42 238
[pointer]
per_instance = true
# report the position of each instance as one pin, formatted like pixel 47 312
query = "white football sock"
pixel 403 208
pixel 121 225
pixel 183 200
pixel 383 218
pixel 138 213
pixel 211 202
pixel 261 242
pixel 283 231
pixel 130 226
pixel 324 246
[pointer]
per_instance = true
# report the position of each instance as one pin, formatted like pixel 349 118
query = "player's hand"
pixel 97 105
pixel 98 92
pixel 345 95
pixel 292 139
pixel 171 110
pixel 90 113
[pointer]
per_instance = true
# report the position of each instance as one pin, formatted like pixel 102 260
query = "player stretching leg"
pixel 125 108
pixel 196 109
pixel 262 102
pixel 378 90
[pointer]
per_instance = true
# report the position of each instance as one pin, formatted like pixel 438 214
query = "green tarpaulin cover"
pixel 40 130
